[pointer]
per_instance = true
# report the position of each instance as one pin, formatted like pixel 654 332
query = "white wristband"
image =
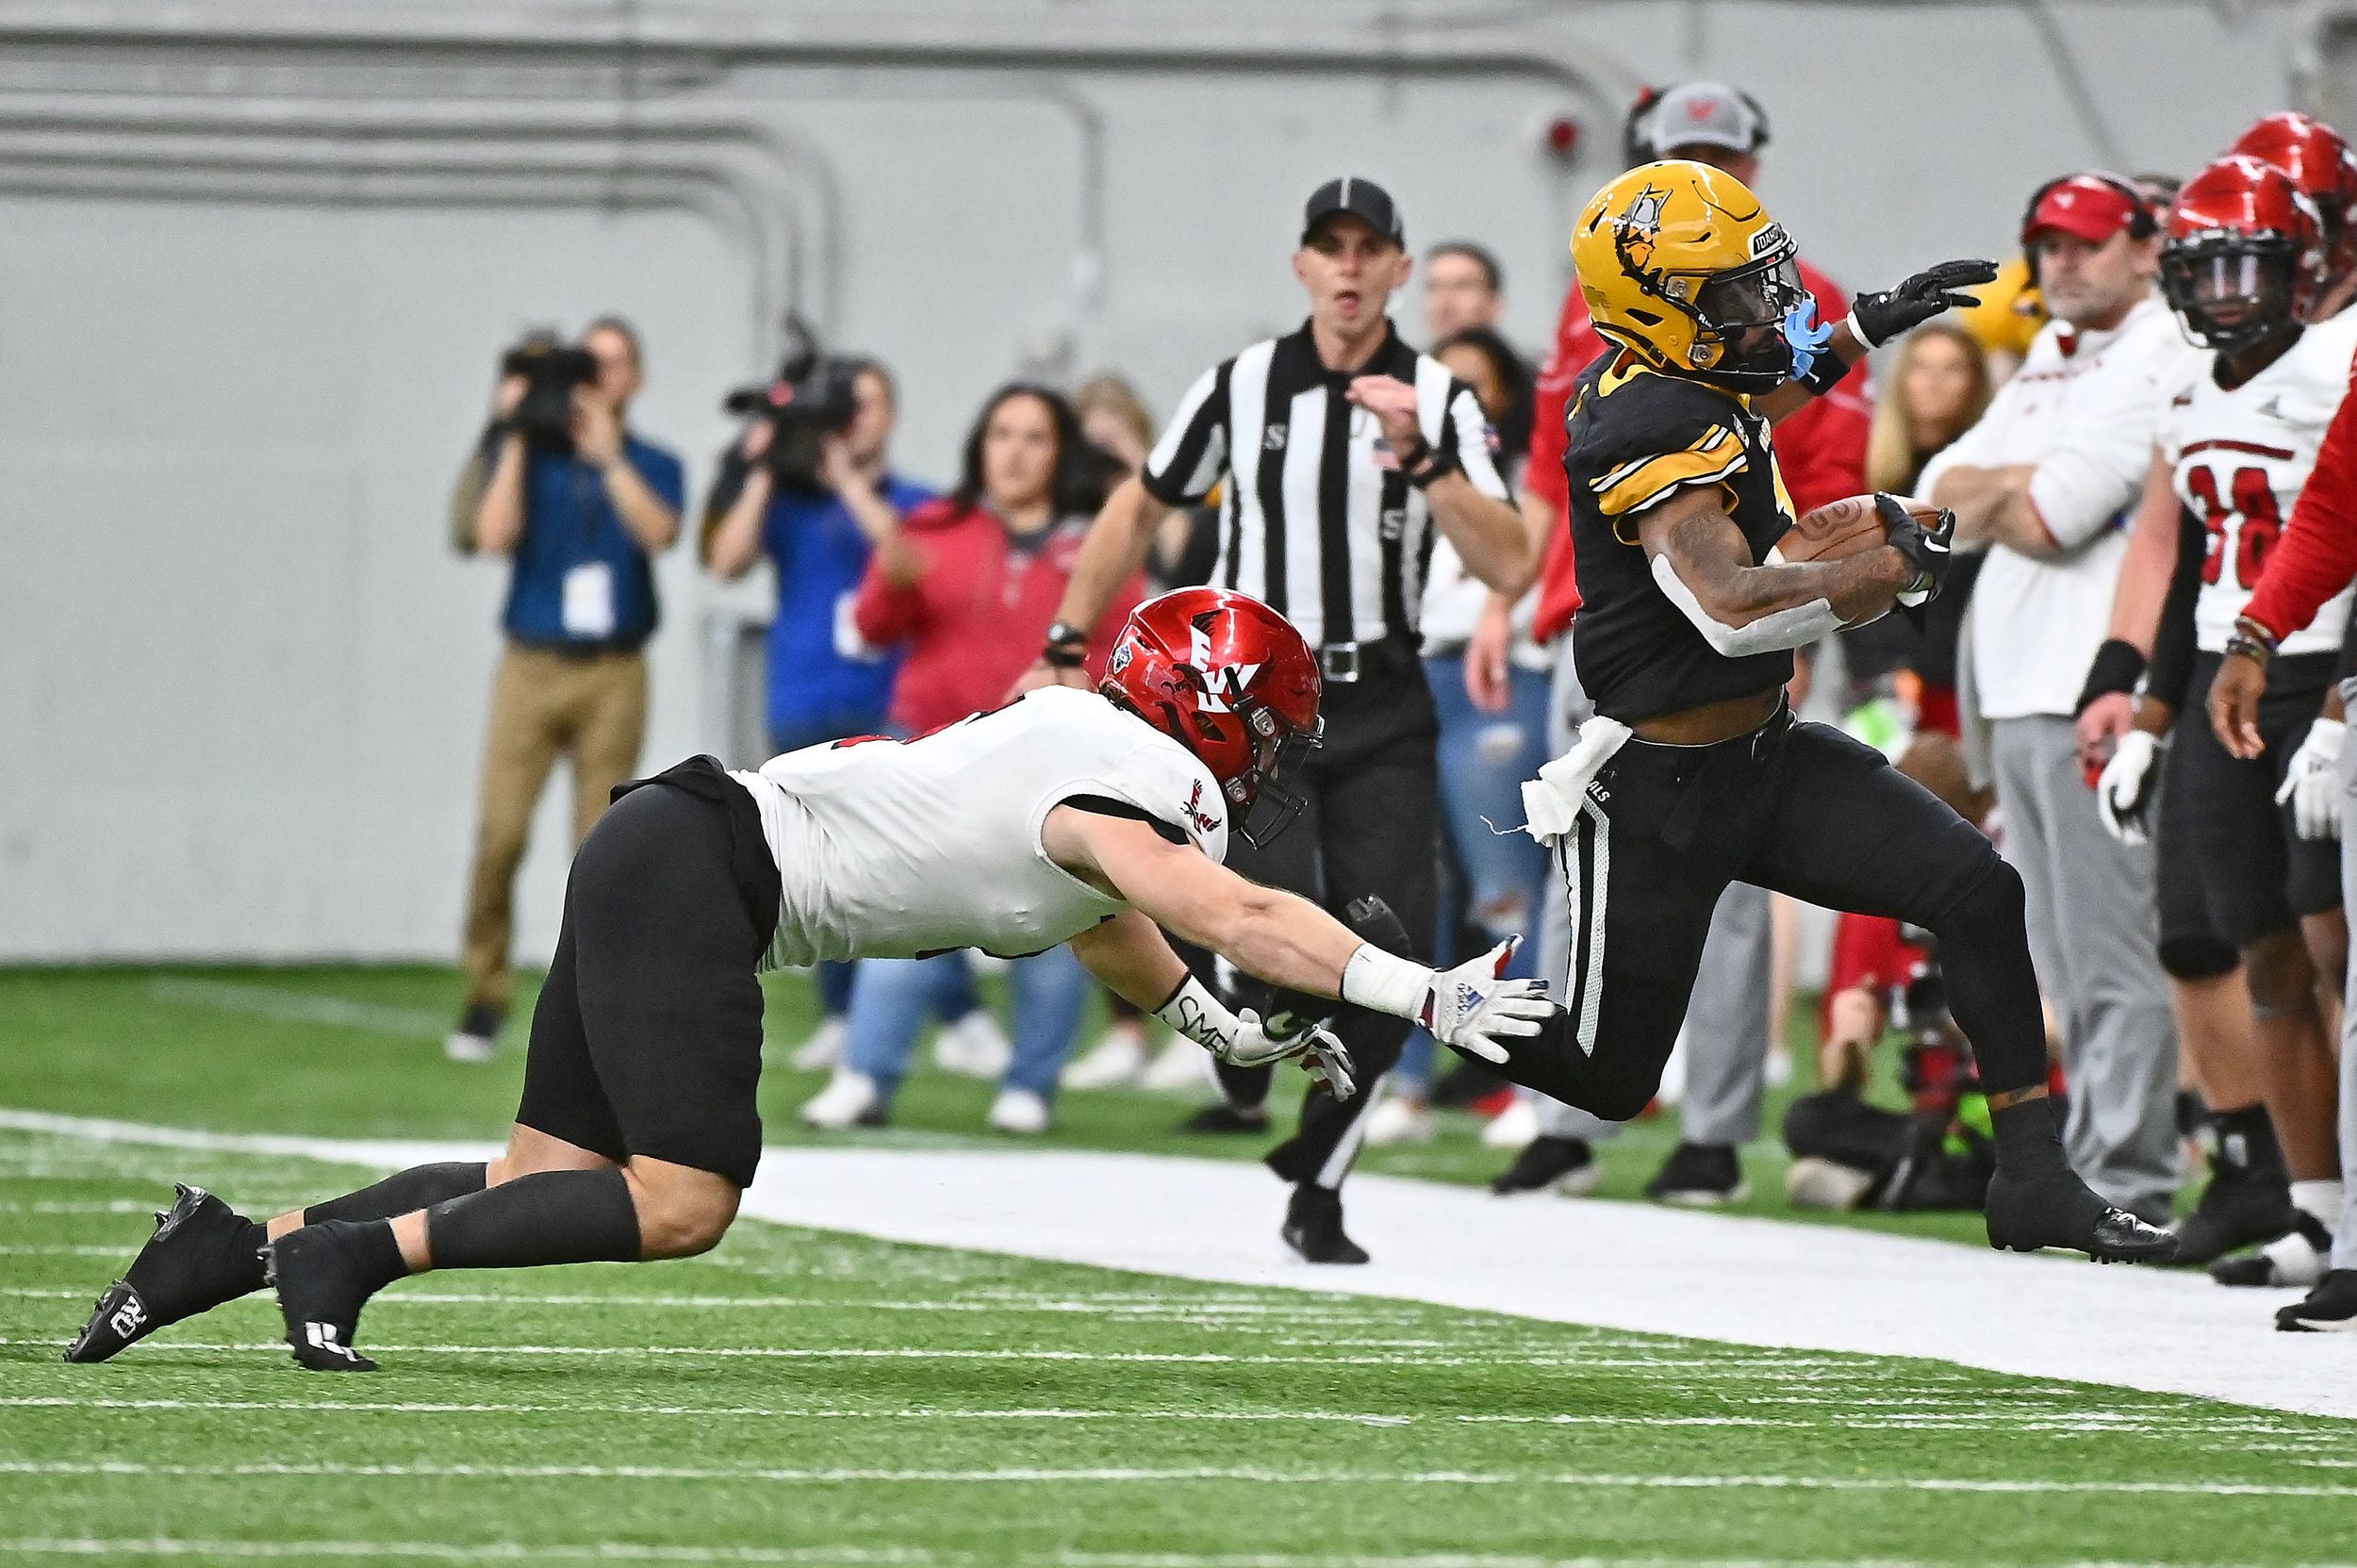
pixel 1201 1017
pixel 1386 982
pixel 1859 332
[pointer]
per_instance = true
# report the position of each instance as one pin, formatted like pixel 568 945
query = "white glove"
pixel 1468 1007
pixel 2125 790
pixel 2314 784
pixel 1242 1040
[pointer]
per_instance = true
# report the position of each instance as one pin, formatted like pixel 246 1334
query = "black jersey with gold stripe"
pixel 1636 436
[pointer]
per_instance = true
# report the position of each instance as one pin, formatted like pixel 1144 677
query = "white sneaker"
pixel 850 1099
pixel 1778 1070
pixel 1399 1120
pixel 1183 1064
pixel 1019 1112
pixel 974 1046
pixel 1512 1127
pixel 1673 1074
pixel 824 1047
pixel 472 1048
pixel 1112 1062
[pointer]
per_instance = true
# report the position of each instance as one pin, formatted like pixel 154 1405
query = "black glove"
pixel 1928 550
pixel 1879 318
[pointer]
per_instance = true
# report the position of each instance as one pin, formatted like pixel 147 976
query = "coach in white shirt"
pixel 2046 482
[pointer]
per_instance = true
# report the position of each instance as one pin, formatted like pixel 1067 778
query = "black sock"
pixel 2245 1140
pixel 250 1249
pixel 558 1217
pixel 374 1252
pixel 2029 1138
pixel 402 1193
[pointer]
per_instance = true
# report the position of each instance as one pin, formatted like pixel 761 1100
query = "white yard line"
pixel 1257 1474
pixel 1613 1265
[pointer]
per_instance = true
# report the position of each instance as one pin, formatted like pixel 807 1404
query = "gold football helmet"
pixel 1684 268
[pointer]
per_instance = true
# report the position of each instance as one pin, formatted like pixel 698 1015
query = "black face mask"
pixel 2231 294
pixel 1751 301
pixel 1268 808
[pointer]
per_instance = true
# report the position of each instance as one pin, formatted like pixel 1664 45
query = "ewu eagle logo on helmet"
pixel 1235 678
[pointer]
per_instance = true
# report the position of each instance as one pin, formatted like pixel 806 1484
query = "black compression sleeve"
pixel 2347 666
pixel 2171 669
pixel 556 1216
pixel 402 1193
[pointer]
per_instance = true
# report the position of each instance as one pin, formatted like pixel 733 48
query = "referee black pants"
pixel 1369 825
pixel 1795 808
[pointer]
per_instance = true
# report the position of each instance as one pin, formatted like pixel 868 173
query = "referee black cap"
pixel 1362 199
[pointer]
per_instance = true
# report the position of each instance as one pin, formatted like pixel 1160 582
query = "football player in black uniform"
pixel 1696 773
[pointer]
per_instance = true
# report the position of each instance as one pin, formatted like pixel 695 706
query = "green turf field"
pixel 813 1398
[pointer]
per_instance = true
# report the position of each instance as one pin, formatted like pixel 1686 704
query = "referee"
pixel 1342 447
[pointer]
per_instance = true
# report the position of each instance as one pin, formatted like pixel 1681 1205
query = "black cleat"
pixel 1313 1227
pixel 1566 1165
pixel 322 1283
pixel 2239 1208
pixel 2330 1306
pixel 202 1253
pixel 2056 1209
pixel 1699 1176
pixel 2296 1260
pixel 1224 1117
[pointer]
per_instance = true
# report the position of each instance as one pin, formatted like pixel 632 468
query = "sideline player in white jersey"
pixel 1065 816
pixel 2237 436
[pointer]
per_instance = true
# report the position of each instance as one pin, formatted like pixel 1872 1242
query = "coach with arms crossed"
pixel 1343 449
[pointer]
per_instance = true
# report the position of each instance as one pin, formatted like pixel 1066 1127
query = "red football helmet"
pixel 2244 254
pixel 2322 165
pixel 1230 680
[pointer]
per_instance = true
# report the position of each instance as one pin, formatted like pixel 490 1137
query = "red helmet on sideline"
pixel 2321 163
pixel 2244 254
pixel 1230 680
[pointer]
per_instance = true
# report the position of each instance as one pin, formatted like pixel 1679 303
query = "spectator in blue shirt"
pixel 580 524
pixel 820 540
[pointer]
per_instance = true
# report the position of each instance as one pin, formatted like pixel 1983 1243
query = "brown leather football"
pixel 1840 529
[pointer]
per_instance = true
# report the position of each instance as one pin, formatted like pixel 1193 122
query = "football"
pixel 1840 529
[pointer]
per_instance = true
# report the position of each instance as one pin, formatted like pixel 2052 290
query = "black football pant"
pixel 1369 825
pixel 1795 808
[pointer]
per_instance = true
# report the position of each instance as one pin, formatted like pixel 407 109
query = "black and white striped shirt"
pixel 1309 522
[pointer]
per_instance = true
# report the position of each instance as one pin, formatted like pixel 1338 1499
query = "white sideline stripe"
pixel 1997 1421
pixel 1173 1309
pixel 303 1007
pixel 1747 1371
pixel 508 1551
pixel 1641 1268
pixel 1261 1475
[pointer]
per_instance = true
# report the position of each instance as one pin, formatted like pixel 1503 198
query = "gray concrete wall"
pixel 256 260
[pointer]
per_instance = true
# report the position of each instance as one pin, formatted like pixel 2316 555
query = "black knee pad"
pixel 2198 957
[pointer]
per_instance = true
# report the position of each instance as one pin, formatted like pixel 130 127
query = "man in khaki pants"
pixel 580 514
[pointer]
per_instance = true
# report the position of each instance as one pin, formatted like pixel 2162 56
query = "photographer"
pixel 817 524
pixel 579 504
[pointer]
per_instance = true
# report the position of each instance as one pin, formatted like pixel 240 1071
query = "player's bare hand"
pixel 1471 1009
pixel 1392 402
pixel 2234 704
pixel 1042 673
pixel 1486 656
pixel 2099 727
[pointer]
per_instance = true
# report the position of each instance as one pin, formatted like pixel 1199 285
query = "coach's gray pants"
pixel 1726 1021
pixel 2345 1240
pixel 2093 933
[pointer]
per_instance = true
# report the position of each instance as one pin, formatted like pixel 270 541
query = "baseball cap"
pixel 2086 206
pixel 1710 114
pixel 1362 199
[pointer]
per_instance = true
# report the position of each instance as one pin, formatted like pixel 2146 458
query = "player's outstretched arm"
pixel 1703 565
pixel 1287 940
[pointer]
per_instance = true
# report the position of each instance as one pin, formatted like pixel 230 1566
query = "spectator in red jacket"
pixel 971 582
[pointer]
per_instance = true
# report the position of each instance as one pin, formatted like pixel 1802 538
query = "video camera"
pixel 551 370
pixel 814 395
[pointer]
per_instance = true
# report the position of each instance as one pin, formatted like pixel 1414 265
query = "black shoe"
pixel 1224 1117
pixel 1566 1165
pixel 1313 1227
pixel 2056 1209
pixel 2332 1305
pixel 1699 1176
pixel 202 1253
pixel 2239 1208
pixel 323 1279
pixel 2262 1270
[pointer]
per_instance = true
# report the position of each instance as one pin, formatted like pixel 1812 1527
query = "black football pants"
pixel 1795 808
pixel 1369 824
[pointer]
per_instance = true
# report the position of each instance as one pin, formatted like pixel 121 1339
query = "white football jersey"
pixel 2240 458
pixel 890 849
